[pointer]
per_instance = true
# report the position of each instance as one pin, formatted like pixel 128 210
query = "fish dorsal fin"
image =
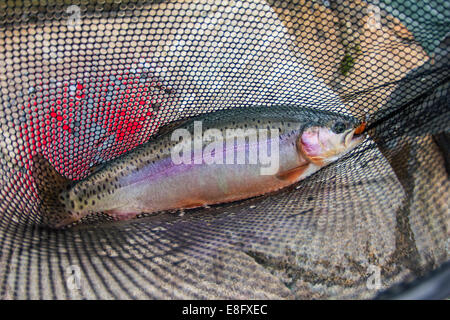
pixel 169 127
pixel 293 175
pixel 96 168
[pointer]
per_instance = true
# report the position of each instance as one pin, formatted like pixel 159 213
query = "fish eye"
pixel 339 127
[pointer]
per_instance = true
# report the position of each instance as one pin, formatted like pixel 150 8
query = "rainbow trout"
pixel 213 158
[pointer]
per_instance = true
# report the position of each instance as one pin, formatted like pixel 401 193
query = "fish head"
pixel 324 143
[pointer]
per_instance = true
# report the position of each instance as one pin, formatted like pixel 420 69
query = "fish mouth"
pixel 359 130
pixel 354 136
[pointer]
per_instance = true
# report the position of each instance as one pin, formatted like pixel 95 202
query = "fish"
pixel 147 179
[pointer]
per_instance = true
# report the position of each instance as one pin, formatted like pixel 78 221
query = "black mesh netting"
pixel 84 81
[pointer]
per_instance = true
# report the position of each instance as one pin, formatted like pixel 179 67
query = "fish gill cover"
pixel 85 83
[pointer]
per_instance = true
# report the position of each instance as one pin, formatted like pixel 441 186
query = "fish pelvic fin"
pixel 50 184
pixel 294 174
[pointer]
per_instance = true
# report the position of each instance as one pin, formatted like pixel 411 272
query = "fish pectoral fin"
pixel 319 160
pixel 293 175
pixel 190 204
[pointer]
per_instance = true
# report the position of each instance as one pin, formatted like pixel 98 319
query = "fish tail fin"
pixel 50 184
